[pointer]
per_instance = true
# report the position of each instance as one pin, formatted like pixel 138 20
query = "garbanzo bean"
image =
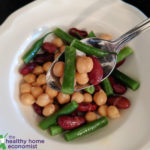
pixel 84 64
pixel 29 78
pixel 44 87
pixel 78 97
pixel 57 54
pixel 87 97
pixel 58 42
pixel 62 48
pixel 102 110
pixel 27 99
pixel 113 112
pixel 105 37
pixel 44 100
pixel 51 92
pixel 81 78
pixel 100 97
pixel 90 116
pixel 48 110
pixel 58 69
pixel 36 91
pixel 41 79
pixel 38 70
pixel 63 98
pixel 46 66
pixel 25 88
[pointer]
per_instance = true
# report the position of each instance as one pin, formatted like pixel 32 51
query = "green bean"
pixel 54 130
pixel 91 34
pixel 90 89
pixel 126 80
pixel 51 120
pixel 86 129
pixel 34 49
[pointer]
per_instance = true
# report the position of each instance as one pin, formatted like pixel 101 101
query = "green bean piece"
pixel 89 49
pixel 91 34
pixel 34 49
pixel 51 120
pixel 126 80
pixel 107 87
pixel 63 35
pixel 126 51
pixel 86 129
pixel 69 70
pixel 90 89
pixel 54 130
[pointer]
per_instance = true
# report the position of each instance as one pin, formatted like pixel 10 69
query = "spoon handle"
pixel 125 38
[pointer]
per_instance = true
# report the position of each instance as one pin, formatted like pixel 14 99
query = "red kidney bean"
pixel 49 47
pixel 37 109
pixel 97 87
pixel 86 107
pixel 118 88
pixel 42 58
pixel 27 68
pixel 119 101
pixel 69 122
pixel 77 33
pixel 120 63
pixel 95 76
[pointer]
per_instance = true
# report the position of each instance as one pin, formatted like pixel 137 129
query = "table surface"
pixel 9 6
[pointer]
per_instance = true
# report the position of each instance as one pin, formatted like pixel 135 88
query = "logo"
pixel 2 142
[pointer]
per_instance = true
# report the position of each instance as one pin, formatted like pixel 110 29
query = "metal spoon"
pixel 108 62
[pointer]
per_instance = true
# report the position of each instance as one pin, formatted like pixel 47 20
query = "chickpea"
pixel 38 70
pixel 48 110
pixel 44 87
pixel 27 99
pixel 51 92
pixel 78 97
pixel 46 66
pixel 90 116
pixel 36 91
pixel 105 37
pixel 81 78
pixel 58 69
pixel 87 97
pixel 113 112
pixel 63 98
pixel 57 54
pixel 58 42
pixel 29 78
pixel 41 79
pixel 62 48
pixel 25 88
pixel 84 64
pixel 35 84
pixel 100 98
pixel 43 100
pixel 102 110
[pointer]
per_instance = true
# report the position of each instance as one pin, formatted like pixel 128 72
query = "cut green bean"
pixel 126 80
pixel 51 120
pixel 89 49
pixel 107 87
pixel 86 129
pixel 91 34
pixel 33 50
pixel 90 89
pixel 54 130
pixel 63 35
pixel 69 70
pixel 124 53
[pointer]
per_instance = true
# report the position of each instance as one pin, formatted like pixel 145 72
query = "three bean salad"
pixel 68 112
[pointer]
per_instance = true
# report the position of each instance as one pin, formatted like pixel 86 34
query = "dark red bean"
pixel 87 107
pixel 27 68
pixel 49 47
pixel 42 58
pixel 78 33
pixel 69 122
pixel 37 109
pixel 118 88
pixel 95 76
pixel 120 102
pixel 120 63
pixel 97 87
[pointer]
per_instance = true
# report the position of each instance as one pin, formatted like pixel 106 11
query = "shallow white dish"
pixel 131 131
